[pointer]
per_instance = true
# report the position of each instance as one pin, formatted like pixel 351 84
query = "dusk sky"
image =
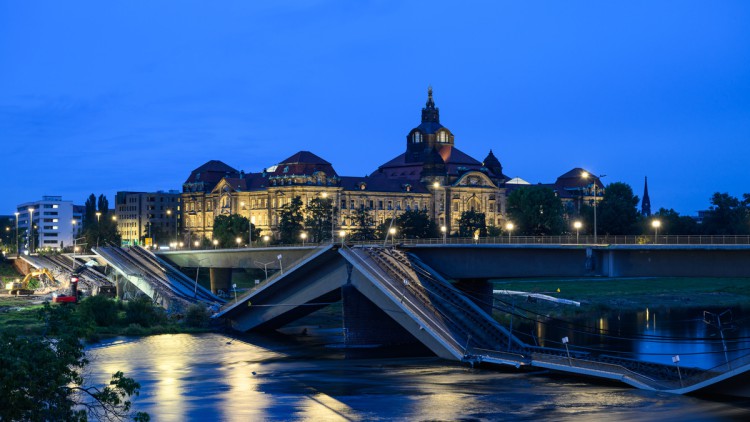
pixel 102 96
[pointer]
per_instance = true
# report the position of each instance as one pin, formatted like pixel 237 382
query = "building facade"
pixel 431 175
pixel 148 215
pixel 52 218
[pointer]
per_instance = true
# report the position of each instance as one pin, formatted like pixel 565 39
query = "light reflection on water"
pixel 212 377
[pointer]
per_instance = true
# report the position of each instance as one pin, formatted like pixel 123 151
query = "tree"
pixel 101 229
pixel 672 223
pixel 727 215
pixel 320 211
pixel 618 212
pixel 363 223
pixel 416 224
pixel 536 210
pixel 290 221
pixel 42 376
pixel 227 228
pixel 472 223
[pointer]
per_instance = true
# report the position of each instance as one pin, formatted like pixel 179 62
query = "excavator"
pixel 22 287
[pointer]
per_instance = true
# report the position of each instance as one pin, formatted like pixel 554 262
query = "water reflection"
pixel 212 377
pixel 637 335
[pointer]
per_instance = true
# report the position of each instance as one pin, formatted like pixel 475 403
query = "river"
pixel 215 377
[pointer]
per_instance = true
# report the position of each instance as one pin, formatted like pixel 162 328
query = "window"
pixel 380 205
pixel 343 204
pixel 416 137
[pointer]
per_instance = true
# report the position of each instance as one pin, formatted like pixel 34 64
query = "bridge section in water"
pixel 390 295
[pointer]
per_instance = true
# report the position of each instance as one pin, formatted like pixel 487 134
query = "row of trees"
pixel 100 226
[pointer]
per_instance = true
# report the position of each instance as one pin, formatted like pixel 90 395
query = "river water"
pixel 212 377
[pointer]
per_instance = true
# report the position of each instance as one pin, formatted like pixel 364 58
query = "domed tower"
pixel 492 164
pixel 428 135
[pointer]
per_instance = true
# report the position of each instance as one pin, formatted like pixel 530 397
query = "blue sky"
pixel 132 95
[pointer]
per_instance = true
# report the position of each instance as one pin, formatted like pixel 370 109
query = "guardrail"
pixel 569 239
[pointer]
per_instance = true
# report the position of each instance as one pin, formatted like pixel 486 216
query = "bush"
pixel 135 330
pixel 197 316
pixel 143 312
pixel 100 309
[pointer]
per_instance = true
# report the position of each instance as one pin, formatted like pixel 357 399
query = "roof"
pixel 429 127
pixel 381 184
pixel 306 157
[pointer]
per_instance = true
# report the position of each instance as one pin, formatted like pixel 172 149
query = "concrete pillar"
pixel 479 290
pixel 366 324
pixel 221 279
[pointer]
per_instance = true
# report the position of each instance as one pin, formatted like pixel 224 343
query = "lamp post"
pixel 392 232
pixel 509 227
pixel 98 228
pixel 169 217
pixel 577 226
pixel 197 243
pixel 586 176
pixel 17 254
pixel 656 224
pixel 444 230
pixel 216 243
pixel 238 240
pixel 303 235
pixel 342 235
pixel 266 239
pixel 31 230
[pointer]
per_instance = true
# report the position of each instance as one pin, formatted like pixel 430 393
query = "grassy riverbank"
pixel 630 294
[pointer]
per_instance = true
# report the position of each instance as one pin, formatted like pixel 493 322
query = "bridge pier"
pixel 221 279
pixel 366 324
pixel 478 290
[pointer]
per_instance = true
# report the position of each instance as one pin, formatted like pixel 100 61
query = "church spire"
pixel 430 113
pixel 646 201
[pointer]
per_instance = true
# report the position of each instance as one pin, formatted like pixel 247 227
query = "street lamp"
pixel 586 176
pixel 266 239
pixel 216 243
pixel 98 229
pixel 197 243
pixel 31 230
pixel 444 230
pixel 577 226
pixel 17 254
pixel 656 224
pixel 392 232
pixel 342 235
pixel 509 227
pixel 303 235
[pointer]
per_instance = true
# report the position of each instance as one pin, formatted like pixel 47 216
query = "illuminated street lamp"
pixel 444 230
pixel 509 227
pixel 577 226
pixel 303 235
pixel 238 240
pixel 342 235
pixel 656 224
pixel 266 239
pixel 216 243
pixel 98 229
pixel 586 176
pixel 17 254
pixel 392 232
pixel 197 243
pixel 31 230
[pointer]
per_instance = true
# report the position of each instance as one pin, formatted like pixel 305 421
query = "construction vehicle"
pixel 72 295
pixel 22 287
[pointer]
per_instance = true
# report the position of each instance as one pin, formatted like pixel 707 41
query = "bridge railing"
pixel 572 239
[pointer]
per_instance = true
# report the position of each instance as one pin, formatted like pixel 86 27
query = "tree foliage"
pixel 472 223
pixel 100 230
pixel 363 225
pixel 227 228
pixel 42 376
pixel 618 212
pixel 727 215
pixel 320 213
pixel 290 221
pixel 672 223
pixel 536 210
pixel 416 224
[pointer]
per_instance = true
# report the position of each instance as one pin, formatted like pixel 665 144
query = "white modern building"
pixel 53 222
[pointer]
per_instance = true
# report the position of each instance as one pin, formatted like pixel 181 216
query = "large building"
pixel 53 221
pixel 147 215
pixel 432 174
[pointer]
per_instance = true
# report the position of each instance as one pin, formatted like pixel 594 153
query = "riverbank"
pixel 612 295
